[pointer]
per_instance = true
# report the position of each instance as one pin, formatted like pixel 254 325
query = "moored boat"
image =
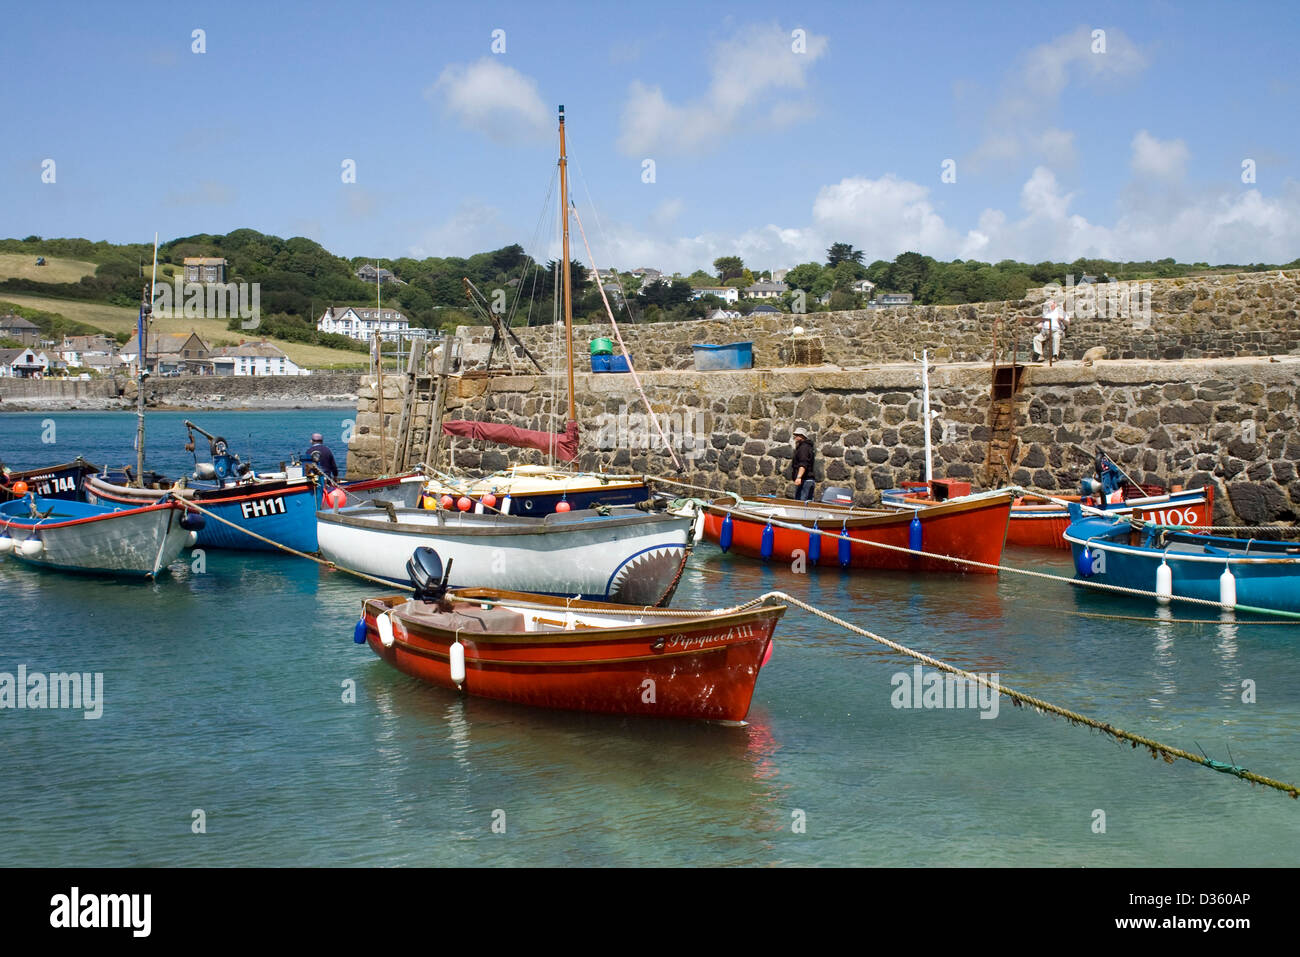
pixel 55 481
pixel 571 655
pixel 539 490
pixel 1039 521
pixel 621 555
pixel 80 537
pixel 784 530
pixel 1174 562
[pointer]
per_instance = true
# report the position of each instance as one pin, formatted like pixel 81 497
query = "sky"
pixel 1029 131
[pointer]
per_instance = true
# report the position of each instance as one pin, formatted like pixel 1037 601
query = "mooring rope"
pixel 292 551
pixel 1020 699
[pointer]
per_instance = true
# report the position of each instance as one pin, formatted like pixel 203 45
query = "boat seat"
pixel 496 620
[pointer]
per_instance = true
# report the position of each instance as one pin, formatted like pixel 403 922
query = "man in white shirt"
pixel 1054 324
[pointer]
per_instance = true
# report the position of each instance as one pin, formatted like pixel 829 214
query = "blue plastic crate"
pixel 736 355
pixel 600 363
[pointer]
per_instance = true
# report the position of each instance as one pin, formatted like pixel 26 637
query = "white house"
pixel 728 294
pixel 723 314
pixel 362 322
pixel 864 286
pixel 23 364
pixel 253 358
pixel 76 350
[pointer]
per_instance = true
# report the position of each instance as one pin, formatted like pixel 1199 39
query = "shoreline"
pixel 118 405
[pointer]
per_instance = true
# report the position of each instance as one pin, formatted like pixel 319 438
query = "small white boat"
pixel 79 537
pixel 621 555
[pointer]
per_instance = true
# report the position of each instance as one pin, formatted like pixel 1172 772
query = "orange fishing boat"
pixel 568 654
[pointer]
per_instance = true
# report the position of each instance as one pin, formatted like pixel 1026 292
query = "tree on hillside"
pixel 842 252
pixel 804 276
pixel 728 267
pixel 701 278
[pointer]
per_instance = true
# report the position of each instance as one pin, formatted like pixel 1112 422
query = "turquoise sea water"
pixel 224 691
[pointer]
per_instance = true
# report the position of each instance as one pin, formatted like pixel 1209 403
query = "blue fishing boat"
pixel 278 508
pixel 1173 562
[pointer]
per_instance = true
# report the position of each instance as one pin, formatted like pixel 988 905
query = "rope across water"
pixel 1019 698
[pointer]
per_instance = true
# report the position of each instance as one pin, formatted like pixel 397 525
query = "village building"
pixel 253 359
pixel 26 363
pixel 362 322
pixel 169 353
pixel 204 269
pixel 20 329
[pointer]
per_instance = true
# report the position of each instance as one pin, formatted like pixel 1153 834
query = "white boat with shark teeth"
pixel 624 555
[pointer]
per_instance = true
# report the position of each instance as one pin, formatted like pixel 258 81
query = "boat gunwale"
pixel 6 524
pixel 531 525
pixel 587 636
pixel 1151 551
pixel 856 518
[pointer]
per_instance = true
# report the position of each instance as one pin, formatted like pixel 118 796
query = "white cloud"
pixel 494 99
pixel 888 215
pixel 472 228
pixel 1161 159
pixel 1020 120
pixel 746 72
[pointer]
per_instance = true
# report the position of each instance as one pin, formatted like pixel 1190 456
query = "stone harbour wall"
pixel 1232 422
pixel 1247 314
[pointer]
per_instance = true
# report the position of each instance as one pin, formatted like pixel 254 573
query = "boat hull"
pixel 972 528
pixel 77 537
pixel 56 482
pixel 283 511
pixel 635 558
pixel 1044 523
pixel 1267 575
pixel 693 668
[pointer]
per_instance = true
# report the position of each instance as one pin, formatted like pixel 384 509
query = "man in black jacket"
pixel 801 469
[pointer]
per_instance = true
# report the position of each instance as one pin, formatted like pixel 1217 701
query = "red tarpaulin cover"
pixel 565 443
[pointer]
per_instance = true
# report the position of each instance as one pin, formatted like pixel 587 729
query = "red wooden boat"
pixel 574 655
pixel 1039 521
pixel 973 528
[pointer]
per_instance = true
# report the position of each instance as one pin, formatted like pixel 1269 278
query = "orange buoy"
pixel 20 489
pixel 562 506
pixel 464 504
pixel 336 497
pixel 447 501
pixel 490 500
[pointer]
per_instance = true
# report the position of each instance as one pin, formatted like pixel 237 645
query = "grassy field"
pixel 23 266
pixel 115 319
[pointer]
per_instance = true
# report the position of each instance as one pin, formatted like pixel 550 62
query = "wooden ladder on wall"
pixel 1004 412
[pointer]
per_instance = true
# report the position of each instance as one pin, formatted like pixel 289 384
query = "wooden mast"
pixel 564 265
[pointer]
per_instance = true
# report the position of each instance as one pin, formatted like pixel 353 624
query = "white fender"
pixel 192 540
pixel 1164 583
pixel 32 547
pixel 457 656
pixel 1227 588
pixel 697 533
pixel 385 626
pixel 6 545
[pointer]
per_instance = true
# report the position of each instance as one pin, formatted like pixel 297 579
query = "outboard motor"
pixel 425 571
pixel 837 495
